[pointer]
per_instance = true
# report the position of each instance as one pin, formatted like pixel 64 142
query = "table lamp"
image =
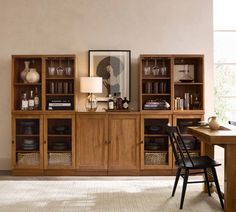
pixel 91 85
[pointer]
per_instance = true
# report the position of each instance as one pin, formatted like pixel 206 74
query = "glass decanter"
pixel 185 75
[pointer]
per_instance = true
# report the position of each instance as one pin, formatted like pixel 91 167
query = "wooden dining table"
pixel 226 138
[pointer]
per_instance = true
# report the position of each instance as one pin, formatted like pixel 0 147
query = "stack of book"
pixel 156 105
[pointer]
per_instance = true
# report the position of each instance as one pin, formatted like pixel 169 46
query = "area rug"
pixel 65 194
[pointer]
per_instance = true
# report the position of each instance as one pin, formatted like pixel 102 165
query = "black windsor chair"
pixel 186 163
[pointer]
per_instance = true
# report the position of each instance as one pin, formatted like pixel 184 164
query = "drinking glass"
pixel 147 69
pixel 155 69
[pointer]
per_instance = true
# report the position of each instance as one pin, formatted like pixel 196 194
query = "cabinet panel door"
pixel 92 142
pixel 124 142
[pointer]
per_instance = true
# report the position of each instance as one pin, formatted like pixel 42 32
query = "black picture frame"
pixel 114 66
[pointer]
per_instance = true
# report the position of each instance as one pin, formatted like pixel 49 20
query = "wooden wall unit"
pixel 58 141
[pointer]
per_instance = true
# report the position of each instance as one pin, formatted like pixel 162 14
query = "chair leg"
pixel 176 181
pixel 184 187
pixel 207 182
pixel 217 186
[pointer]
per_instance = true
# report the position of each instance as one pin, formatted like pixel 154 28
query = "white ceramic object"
pixel 213 124
pixel 32 76
pixel 25 71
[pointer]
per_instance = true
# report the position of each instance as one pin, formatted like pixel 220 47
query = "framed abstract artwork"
pixel 114 67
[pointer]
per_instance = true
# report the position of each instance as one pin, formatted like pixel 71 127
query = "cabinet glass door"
pixel 59 143
pixel 156 146
pixel 192 143
pixel 27 148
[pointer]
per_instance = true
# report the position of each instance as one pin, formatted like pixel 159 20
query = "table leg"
pixel 230 178
pixel 208 150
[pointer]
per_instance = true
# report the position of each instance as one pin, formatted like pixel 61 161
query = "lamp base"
pixel 91 104
pixel 91 110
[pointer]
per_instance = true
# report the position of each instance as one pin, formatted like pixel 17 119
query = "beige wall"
pixel 75 26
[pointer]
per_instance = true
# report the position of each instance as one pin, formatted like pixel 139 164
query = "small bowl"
pixel 29 141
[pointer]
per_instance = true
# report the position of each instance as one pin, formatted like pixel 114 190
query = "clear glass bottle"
pixel 125 103
pixel 36 99
pixel 24 102
pixel 31 100
pixel 110 102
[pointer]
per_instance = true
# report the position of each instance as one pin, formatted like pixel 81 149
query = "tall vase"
pixel 25 71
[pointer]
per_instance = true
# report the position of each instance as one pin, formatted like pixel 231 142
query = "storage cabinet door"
pixel 59 143
pixel 92 138
pixel 124 142
pixel 27 146
pixel 156 152
pixel 194 146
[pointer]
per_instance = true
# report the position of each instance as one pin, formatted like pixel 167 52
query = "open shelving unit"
pixel 155 81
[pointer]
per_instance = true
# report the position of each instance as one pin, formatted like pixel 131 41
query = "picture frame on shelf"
pixel 114 66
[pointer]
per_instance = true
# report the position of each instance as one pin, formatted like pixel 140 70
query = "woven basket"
pixel 156 158
pixel 60 158
pixel 31 159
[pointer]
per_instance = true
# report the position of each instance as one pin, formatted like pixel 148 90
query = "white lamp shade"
pixel 91 84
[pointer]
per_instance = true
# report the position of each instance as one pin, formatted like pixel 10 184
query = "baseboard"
pixel 5 172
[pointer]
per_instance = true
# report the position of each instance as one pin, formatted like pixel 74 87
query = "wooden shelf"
pixel 22 135
pixel 156 78
pixel 156 94
pixel 59 151
pixel 59 78
pixel 58 135
pixel 59 94
pixel 188 83
pixel 188 112
pixel 155 135
pixel 156 151
pixel 27 151
pixel 27 84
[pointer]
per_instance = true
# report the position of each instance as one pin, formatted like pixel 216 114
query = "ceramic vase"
pixel 25 71
pixel 32 76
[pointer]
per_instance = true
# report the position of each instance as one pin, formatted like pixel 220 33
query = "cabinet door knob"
pixel 109 142
pixel 106 142
pixel 141 142
pixel 45 141
pixel 13 141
